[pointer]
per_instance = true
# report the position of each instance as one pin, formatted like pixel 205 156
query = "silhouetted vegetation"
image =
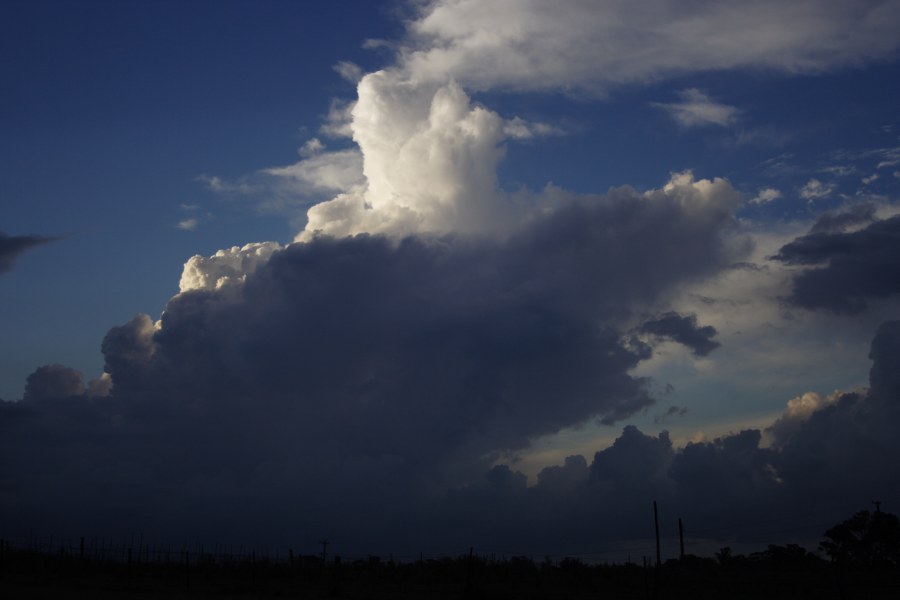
pixel 866 539
pixel 862 562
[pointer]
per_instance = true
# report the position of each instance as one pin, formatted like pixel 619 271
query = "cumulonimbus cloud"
pixel 347 362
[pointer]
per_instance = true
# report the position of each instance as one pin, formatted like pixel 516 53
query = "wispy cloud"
pixel 520 129
pixel 188 224
pixel 890 157
pixel 815 189
pixel 349 71
pixel 318 174
pixel 765 195
pixel 608 45
pixel 338 120
pixel 11 247
pixel 696 109
pixel 840 170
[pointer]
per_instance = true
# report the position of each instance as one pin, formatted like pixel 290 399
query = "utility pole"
pixel 681 538
pixel 877 504
pixel 656 526
pixel 658 561
pixel 324 550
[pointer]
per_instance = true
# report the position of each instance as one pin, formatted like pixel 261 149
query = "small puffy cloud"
pixel 11 247
pixel 696 109
pixel 765 195
pixel 815 189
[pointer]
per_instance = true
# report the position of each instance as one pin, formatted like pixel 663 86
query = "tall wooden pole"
pixel 658 561
pixel 681 538
pixel 656 526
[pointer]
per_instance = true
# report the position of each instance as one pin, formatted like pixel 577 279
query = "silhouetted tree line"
pixel 861 560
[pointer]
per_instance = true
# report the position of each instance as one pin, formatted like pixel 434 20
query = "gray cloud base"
pixel 86 461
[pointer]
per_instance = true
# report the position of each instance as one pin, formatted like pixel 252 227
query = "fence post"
pixel 187 569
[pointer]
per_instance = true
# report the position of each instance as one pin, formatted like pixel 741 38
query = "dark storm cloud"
pixel 844 270
pixel 13 246
pixel 853 442
pixel 347 378
pixel 361 389
pixel 730 488
pixel 684 330
pixel 835 461
pixel 425 349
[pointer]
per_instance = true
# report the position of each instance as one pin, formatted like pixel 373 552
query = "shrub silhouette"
pixel 869 539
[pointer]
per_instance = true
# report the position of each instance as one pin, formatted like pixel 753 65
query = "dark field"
pixel 779 572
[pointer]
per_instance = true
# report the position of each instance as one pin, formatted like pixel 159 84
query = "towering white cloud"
pixel 429 159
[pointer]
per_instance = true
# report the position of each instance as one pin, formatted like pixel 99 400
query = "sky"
pixel 417 276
